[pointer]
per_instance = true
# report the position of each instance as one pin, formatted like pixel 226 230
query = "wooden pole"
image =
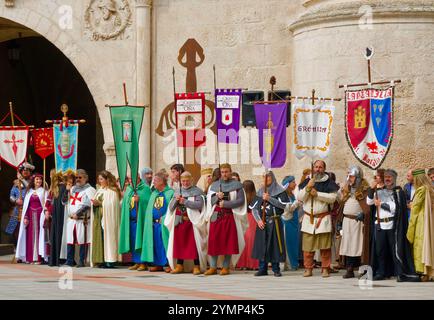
pixel 365 84
pixel 313 96
pixel 11 110
pixel 369 71
pixel 125 93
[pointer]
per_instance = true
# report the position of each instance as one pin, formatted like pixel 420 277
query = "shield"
pixel 227 117
pixel 369 124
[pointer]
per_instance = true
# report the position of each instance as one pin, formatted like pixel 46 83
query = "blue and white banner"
pixel 65 147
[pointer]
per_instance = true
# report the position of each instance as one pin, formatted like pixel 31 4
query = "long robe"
pixel 57 224
pixel 22 236
pixel 199 230
pixel 292 236
pixel 246 260
pixel 402 250
pixel 129 239
pixel 420 232
pixel 145 226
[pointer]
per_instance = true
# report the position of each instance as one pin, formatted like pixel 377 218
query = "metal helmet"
pixel 357 172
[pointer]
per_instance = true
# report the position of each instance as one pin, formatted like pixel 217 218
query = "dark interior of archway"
pixel 38 84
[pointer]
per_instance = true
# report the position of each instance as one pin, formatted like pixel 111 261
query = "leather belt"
pixel 350 216
pixel 319 216
pixel 389 219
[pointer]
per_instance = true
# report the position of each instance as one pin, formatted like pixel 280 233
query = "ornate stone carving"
pixel 9 3
pixel 107 19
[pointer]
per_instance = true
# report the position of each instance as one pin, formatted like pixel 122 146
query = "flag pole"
pixel 125 94
pixel 217 137
pixel 11 110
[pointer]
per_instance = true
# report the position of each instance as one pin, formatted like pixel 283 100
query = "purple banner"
pixel 227 102
pixel 271 124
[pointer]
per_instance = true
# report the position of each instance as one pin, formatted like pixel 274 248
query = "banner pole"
pixel 11 109
pixel 125 93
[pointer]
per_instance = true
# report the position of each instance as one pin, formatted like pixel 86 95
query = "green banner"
pixel 126 126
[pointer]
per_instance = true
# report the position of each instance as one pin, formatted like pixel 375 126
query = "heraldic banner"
pixel 43 141
pixel 228 103
pixel 13 145
pixel 271 124
pixel 190 119
pixel 126 126
pixel 65 147
pixel 369 124
pixel 313 129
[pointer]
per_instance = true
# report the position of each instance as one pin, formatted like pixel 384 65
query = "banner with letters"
pixel 369 124
pixel 190 119
pixel 227 104
pixel 43 142
pixel 313 129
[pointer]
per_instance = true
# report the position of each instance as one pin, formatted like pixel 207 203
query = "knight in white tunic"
pixel 79 205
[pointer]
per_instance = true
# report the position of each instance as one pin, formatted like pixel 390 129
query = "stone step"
pixel 6 249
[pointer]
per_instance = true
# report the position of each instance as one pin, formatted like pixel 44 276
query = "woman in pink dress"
pixel 246 261
pixel 31 240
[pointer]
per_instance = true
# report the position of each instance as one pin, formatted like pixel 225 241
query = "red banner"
pixel 43 142
pixel 190 119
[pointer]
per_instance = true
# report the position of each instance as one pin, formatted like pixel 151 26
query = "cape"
pixel 327 186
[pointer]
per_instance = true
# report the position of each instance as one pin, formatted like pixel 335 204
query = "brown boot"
pixel 210 272
pixel 224 272
pixel 142 267
pixel 178 269
pixel 307 273
pixel 134 267
pixel 196 270
pixel 325 273
pixel 155 269
pixel 168 269
pixel 349 274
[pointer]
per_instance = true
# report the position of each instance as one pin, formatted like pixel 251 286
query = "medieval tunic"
pixel 186 224
pixel 317 235
pixel 106 220
pixel 227 224
pixel 270 242
pixel 18 191
pixel 57 212
pixel 420 231
pixel 246 260
pixel 292 232
pixel 31 238
pixel 390 250
pixel 77 232
pixel 129 219
pixel 153 238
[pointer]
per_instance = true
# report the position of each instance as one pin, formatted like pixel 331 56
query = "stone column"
pixel 143 75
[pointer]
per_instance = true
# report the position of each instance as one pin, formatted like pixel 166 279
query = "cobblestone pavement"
pixel 21 281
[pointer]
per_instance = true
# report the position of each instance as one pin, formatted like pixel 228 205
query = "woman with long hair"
pixel 420 230
pixel 105 221
pixel 55 213
pixel 246 261
pixel 31 239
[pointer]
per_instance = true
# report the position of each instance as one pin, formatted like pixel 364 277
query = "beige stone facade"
pixel 305 44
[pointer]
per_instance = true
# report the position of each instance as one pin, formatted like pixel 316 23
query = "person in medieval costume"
pixel 227 218
pixel 317 195
pixel 17 195
pixel 55 210
pixel 187 227
pixel 292 226
pixel 105 221
pixel 152 234
pixel 353 221
pixel 409 191
pixel 134 204
pixel 79 204
pixel 31 238
pixel 205 179
pixel 391 252
pixel 268 207
pixel 175 174
pixel 246 261
pixel 420 231
pixel 146 175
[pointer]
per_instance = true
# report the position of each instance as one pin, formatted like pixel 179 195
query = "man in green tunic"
pixel 133 205
pixel 153 237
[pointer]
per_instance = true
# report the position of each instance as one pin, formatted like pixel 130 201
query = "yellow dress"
pixel 415 231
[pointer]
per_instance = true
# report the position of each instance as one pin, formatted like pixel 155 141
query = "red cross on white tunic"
pixel 14 143
pixel 75 198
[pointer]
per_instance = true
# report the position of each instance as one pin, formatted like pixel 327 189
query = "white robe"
pixel 199 230
pixel 241 222
pixel 21 244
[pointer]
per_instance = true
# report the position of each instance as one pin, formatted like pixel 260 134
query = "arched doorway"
pixel 37 77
